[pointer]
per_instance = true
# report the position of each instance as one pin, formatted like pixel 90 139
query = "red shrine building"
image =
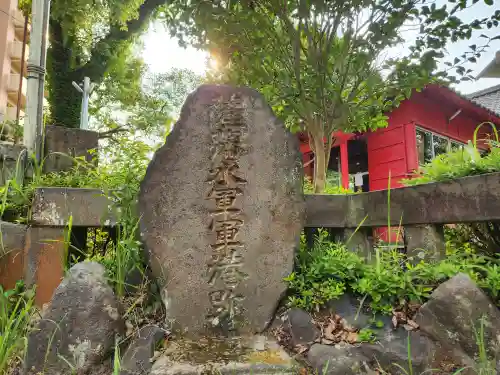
pixel 430 123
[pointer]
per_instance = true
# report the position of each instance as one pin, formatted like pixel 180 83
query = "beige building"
pixel 12 67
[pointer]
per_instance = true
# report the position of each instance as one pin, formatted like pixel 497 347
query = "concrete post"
pixel 359 242
pixel 424 242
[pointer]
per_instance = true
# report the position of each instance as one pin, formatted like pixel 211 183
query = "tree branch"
pixel 105 49
pixel 110 133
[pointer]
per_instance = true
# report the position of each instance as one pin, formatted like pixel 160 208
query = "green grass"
pixel 16 312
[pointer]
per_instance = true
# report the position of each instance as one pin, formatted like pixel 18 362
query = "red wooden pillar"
pixel 344 164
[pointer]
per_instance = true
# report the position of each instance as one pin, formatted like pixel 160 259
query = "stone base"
pixel 255 356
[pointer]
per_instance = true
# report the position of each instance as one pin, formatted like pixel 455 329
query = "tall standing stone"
pixel 222 211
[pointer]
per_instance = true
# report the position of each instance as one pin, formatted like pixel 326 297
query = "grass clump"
pixel 16 313
pixel 328 270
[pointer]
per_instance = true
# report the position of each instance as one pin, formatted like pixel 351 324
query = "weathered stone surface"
pixel 79 326
pixel 137 358
pixel 262 168
pixel 453 316
pixel 44 261
pixel 468 199
pixel 12 163
pixel 62 144
pixel 225 357
pixel 336 360
pixel 298 323
pixel 85 207
pixel 11 253
pixel 424 242
pixel 391 349
pixel 348 307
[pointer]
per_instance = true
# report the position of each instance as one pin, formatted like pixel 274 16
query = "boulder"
pixel 337 360
pixel 298 324
pixel 222 211
pixel 453 317
pixel 78 329
pixel 391 350
pixel 348 307
pixel 137 358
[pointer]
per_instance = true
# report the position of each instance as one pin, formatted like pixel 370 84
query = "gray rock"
pixel 453 317
pixel 78 329
pixel 299 325
pixel 391 350
pixel 222 210
pixel 348 307
pixel 137 358
pixel 336 360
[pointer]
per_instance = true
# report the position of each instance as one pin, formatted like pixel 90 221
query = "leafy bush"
pixel 328 270
pixel 119 177
pixel 330 188
pixel 460 163
pixel 483 237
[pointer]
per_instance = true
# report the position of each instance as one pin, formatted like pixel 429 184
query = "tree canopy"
pixel 320 62
pixel 93 39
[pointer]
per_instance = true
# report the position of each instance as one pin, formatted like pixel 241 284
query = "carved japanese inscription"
pixel 226 185
pixel 221 213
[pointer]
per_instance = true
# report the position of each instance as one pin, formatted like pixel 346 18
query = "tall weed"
pixel 16 312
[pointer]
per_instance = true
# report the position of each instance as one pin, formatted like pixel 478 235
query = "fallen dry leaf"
pixel 301 349
pixel 394 321
pixel 327 342
pixel 412 323
pixel 330 328
pixel 408 327
pixel 352 337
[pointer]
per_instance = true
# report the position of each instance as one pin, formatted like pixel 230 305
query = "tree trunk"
pixel 65 100
pixel 319 165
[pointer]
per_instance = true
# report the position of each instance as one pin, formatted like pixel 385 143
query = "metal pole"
pixel 85 89
pixel 84 121
pixel 36 75
pixel 23 64
pixel 41 86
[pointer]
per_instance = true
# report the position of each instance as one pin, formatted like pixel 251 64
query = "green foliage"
pixel 16 311
pixel 483 237
pixel 148 111
pixel 367 335
pixel 461 163
pixel 322 273
pixel 328 270
pixel 97 40
pixel 330 188
pixel 119 177
pixel 319 62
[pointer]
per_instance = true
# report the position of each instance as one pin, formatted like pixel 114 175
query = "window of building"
pixel 430 145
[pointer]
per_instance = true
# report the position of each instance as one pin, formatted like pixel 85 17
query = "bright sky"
pixel 161 53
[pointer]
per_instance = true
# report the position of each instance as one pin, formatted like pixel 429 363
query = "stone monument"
pixel 222 210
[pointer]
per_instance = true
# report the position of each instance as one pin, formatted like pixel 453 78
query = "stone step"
pixel 259 355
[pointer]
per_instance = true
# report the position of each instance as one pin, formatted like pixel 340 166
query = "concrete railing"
pixel 422 211
pixel 36 252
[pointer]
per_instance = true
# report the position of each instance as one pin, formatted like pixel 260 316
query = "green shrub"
pixel 330 188
pixel 328 270
pixel 483 237
pixel 119 177
pixel 461 163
